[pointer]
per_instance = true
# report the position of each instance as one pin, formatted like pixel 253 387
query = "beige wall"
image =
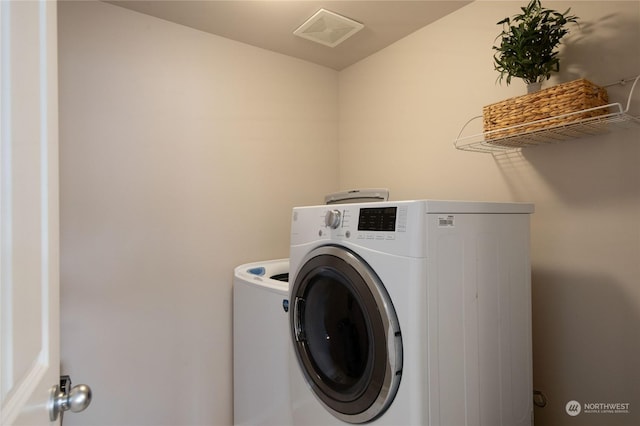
pixel 181 156
pixel 404 106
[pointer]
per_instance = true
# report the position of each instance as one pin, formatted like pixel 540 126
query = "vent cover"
pixel 328 28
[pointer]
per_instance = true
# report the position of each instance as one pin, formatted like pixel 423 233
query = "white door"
pixel 29 344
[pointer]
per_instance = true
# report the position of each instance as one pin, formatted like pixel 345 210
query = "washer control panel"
pixel 381 223
pixel 394 227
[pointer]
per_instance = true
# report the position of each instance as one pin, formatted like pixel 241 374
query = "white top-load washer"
pixel 260 344
pixel 411 313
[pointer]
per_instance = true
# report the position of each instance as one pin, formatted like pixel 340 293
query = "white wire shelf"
pixel 613 117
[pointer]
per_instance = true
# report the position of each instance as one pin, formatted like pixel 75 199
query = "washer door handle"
pixel 298 311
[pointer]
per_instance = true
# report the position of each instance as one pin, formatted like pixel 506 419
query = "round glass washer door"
pixel 346 334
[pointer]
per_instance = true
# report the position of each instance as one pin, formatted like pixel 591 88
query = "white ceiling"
pixel 269 24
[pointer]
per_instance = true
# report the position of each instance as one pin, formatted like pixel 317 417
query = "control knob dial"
pixel 332 219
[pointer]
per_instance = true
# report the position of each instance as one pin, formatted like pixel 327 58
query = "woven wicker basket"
pixel 566 98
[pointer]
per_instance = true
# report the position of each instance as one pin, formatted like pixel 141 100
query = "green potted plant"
pixel 529 41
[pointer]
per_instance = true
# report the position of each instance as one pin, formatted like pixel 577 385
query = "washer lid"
pixel 346 334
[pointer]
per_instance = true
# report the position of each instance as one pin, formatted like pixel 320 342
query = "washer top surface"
pixel 444 206
pixel 261 274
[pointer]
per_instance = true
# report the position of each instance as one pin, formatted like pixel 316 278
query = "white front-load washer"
pixel 261 344
pixel 411 313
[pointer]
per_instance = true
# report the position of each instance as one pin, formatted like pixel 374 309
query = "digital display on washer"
pixel 377 219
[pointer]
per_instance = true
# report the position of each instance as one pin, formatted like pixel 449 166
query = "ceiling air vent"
pixel 328 28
